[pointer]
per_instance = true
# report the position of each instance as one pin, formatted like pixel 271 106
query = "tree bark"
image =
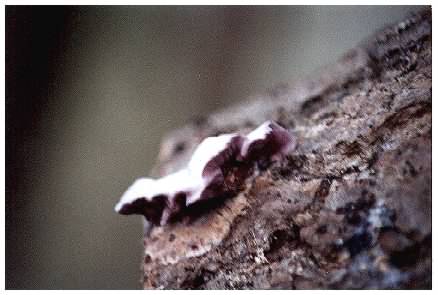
pixel 349 208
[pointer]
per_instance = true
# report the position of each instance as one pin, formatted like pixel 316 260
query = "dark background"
pixel 91 90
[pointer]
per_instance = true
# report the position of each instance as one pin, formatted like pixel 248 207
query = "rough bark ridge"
pixel 349 208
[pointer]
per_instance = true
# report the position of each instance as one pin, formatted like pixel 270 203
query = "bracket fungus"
pixel 217 169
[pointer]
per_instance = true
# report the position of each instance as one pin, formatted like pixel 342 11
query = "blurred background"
pixel 90 91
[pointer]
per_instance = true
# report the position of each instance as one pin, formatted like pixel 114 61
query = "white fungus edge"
pixel 190 179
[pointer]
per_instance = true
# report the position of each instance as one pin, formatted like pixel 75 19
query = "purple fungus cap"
pixel 217 169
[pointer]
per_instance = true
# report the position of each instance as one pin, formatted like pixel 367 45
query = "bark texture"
pixel 349 208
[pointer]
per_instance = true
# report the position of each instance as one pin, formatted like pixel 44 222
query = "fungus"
pixel 217 169
pixel 268 141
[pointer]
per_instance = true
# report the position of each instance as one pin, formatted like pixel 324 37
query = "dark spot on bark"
pixel 323 189
pixel 349 149
pixel 358 242
pixel 194 247
pixel 367 199
pixel 411 255
pixel 322 229
pixel 171 237
pixel 278 239
pixel 411 169
pixel 373 159
pixel 353 217
pixel 193 283
pixel 147 259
